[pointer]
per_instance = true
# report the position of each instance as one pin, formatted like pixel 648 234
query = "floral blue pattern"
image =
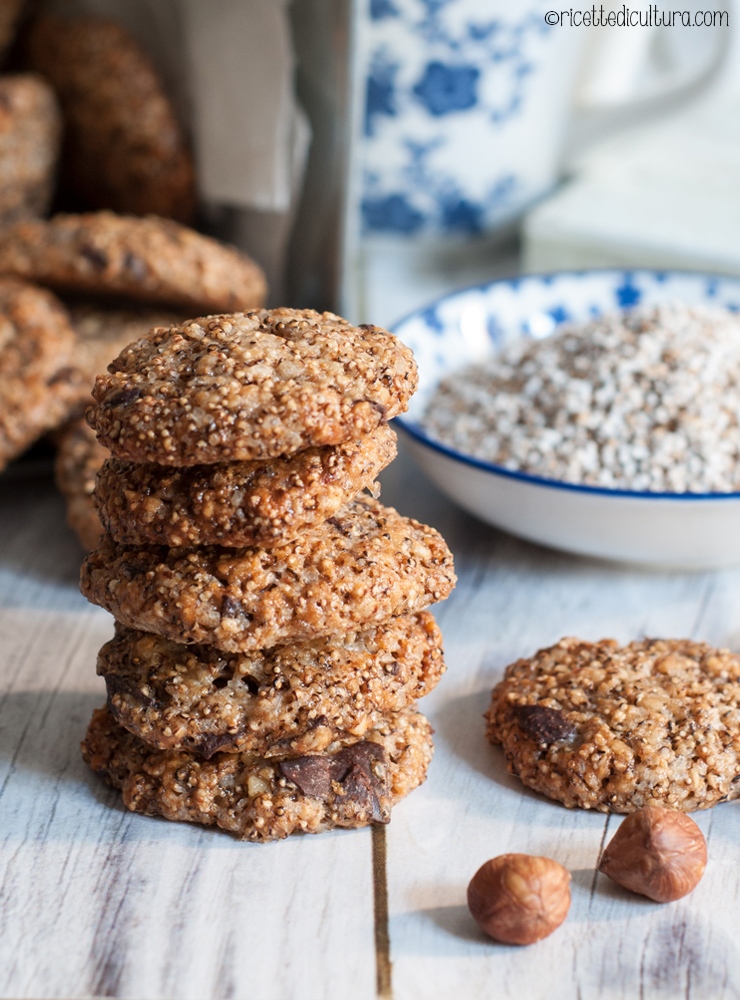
pixel 445 83
pixel 446 89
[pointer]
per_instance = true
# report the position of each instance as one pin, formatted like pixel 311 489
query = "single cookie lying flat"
pixel 78 458
pixel 263 503
pixel 263 800
pixel 359 568
pixel 39 386
pixel 146 259
pixel 286 701
pixel 250 386
pixel 124 148
pixel 30 133
pixel 601 727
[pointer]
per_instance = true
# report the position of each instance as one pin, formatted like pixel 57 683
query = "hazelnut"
pixel 657 852
pixel 519 899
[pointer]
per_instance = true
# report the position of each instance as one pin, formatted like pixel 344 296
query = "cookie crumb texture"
pixel 263 800
pixel 124 148
pixel 250 386
pixel 39 384
pixel 599 726
pixel 366 564
pixel 146 259
pixel 293 699
pixel 264 503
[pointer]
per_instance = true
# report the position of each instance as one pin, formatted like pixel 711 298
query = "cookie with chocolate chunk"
pixel 599 726
pixel 39 385
pixel 264 503
pixel 362 566
pixel 261 800
pixel 30 133
pixel 250 386
pixel 146 259
pixel 124 148
pixel 79 456
pixel 291 699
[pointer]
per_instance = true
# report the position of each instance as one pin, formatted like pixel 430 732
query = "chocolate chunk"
pixel 352 769
pixel 312 774
pixel 116 685
pixel 211 744
pixel 359 788
pixel 378 407
pixel 231 608
pixel 96 257
pixel 63 375
pixel 130 570
pixel 545 725
pixel 124 397
pixel 134 265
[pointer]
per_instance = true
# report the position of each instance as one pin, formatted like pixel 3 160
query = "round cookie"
pixel 30 133
pixel 597 726
pixel 249 386
pixel 264 800
pixel 78 458
pixel 124 148
pixel 289 700
pixel 39 386
pixel 366 564
pixel 262 503
pixel 146 259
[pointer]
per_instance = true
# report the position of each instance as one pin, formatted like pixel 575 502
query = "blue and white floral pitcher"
pixel 465 103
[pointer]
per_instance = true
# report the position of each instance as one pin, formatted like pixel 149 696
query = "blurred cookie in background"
pixel 103 331
pixel 145 259
pixel 123 148
pixel 10 12
pixel 39 384
pixel 79 456
pixel 30 134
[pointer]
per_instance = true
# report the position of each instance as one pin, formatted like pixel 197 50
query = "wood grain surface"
pixel 96 901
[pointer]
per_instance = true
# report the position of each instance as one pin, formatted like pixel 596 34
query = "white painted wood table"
pixel 96 901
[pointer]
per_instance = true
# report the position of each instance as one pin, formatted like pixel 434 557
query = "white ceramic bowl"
pixel 688 531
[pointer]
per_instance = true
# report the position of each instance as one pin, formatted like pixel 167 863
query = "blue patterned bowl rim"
pixel 416 432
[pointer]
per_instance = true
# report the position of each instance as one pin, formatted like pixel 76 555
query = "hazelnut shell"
pixel 518 898
pixel 656 852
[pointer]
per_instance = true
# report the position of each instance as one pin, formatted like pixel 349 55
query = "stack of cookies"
pixel 271 633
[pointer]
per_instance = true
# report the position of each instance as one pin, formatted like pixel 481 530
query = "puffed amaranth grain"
pixel 250 386
pixel 124 148
pixel 289 700
pixel 599 726
pixel 39 385
pixel 30 134
pixel 263 800
pixel 362 566
pixel 78 458
pixel 262 503
pixel 146 259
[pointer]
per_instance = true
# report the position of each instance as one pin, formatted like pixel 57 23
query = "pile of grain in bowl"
pixel 647 399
